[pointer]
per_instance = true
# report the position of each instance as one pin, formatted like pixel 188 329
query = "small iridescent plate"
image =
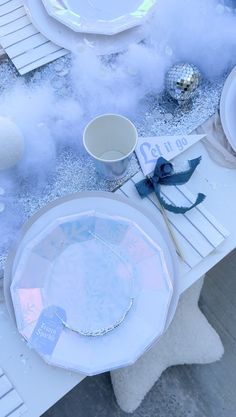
pixel 104 17
pixel 92 288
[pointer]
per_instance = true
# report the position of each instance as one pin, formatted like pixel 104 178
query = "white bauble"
pixel 11 143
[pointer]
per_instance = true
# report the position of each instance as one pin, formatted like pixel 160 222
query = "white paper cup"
pixel 110 140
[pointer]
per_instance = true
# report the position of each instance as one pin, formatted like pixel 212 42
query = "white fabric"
pixel 216 142
pixel 189 339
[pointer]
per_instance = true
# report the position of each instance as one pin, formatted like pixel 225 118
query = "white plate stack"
pixel 93 282
pixel 106 26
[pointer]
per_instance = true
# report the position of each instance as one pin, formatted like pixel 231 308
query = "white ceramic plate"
pixel 228 108
pixel 106 358
pixel 103 17
pixel 74 42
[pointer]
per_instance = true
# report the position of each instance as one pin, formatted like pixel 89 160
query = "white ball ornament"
pixel 11 143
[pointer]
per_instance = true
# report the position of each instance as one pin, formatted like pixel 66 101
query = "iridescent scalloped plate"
pixel 92 283
pixel 102 17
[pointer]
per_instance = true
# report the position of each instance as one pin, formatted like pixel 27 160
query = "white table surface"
pixel 40 385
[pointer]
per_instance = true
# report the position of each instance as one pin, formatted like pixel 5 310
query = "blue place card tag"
pixel 48 330
pixel 150 149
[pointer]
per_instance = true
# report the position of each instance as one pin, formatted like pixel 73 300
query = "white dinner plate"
pixel 74 42
pixel 106 350
pixel 228 108
pixel 102 17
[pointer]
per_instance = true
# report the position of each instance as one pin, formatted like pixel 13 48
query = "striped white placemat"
pixel 11 404
pixel 197 232
pixel 24 44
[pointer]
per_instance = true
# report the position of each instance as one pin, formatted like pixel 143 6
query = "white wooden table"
pixel 40 385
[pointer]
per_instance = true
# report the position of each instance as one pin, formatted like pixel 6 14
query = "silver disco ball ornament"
pixel 182 81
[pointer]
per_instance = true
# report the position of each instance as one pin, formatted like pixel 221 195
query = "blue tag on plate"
pixel 48 330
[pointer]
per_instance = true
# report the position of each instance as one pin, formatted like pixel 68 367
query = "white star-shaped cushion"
pixel 189 339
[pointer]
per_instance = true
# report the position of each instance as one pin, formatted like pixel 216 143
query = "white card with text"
pixel 150 149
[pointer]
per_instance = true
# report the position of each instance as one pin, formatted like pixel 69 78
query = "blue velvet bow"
pixel 164 175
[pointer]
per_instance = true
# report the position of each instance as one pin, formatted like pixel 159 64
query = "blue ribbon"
pixel 164 175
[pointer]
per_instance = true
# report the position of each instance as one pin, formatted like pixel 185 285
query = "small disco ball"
pixel 182 81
